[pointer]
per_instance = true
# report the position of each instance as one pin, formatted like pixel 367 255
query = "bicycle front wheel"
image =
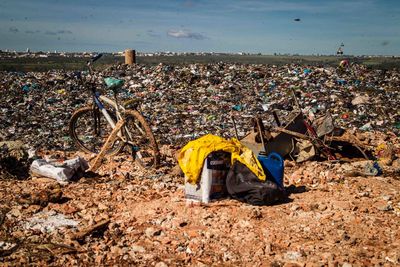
pixel 89 129
pixel 141 140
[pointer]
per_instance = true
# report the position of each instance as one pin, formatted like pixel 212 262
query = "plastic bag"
pixel 61 172
pixel 243 185
pixel 113 83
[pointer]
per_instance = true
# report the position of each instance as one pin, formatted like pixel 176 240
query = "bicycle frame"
pixel 90 126
pixel 97 98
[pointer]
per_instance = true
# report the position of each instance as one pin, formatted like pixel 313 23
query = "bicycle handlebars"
pixel 90 83
pixel 93 59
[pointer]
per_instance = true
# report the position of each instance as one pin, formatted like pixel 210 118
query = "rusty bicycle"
pixel 109 127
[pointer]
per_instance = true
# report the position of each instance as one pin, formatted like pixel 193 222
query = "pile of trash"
pixel 215 168
pixel 331 185
pixel 188 101
pixel 14 160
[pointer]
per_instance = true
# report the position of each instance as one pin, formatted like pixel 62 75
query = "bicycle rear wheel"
pixel 141 140
pixel 89 129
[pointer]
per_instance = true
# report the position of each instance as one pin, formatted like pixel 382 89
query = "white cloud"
pixel 186 34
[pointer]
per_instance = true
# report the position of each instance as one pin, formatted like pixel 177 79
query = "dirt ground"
pixel 123 215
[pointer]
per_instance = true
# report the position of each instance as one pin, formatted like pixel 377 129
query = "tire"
pixel 142 143
pixel 83 131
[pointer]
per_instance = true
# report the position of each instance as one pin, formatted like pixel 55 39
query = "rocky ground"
pixel 337 214
pixel 124 215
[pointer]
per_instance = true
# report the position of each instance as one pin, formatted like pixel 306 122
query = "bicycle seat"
pixel 113 83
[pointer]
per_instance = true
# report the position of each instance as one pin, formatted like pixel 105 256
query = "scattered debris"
pixel 62 171
pixel 338 212
pixel 178 115
pixel 47 222
pixel 89 230
pixel 14 160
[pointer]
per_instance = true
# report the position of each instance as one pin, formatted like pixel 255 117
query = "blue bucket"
pixel 273 166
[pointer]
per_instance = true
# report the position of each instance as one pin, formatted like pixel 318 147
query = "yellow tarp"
pixel 193 154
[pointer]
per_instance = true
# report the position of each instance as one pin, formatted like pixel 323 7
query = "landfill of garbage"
pixel 185 102
pixel 340 212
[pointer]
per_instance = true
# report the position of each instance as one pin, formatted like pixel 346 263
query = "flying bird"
pixel 297 19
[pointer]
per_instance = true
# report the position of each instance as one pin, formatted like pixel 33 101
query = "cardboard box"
pixel 212 179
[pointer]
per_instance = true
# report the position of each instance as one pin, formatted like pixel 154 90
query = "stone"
pixel 161 264
pixel 151 232
pixel 137 248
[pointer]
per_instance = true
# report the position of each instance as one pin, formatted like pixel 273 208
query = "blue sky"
pixel 364 26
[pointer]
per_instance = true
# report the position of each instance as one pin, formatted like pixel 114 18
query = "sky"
pixel 365 27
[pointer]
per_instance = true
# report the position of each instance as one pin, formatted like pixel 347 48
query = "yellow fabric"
pixel 192 155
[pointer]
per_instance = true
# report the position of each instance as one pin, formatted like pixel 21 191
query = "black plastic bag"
pixel 244 185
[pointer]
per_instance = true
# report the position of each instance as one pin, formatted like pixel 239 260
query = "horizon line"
pixel 242 53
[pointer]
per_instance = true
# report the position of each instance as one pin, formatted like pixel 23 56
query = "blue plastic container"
pixel 273 166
